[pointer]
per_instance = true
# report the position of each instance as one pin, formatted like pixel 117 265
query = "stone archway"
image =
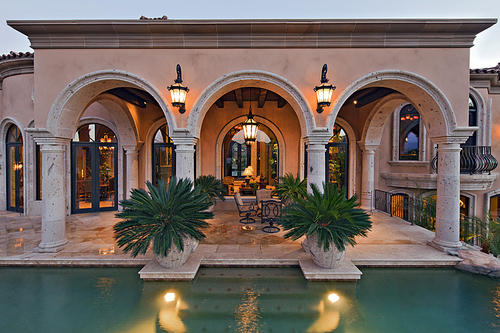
pixel 257 79
pixel 439 118
pixel 426 97
pixel 71 102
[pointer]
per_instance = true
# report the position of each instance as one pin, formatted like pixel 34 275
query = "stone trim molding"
pixel 487 198
pixel 489 81
pixel 435 109
pixel 297 33
pixel 483 118
pixel 16 66
pixel 429 181
pixel 422 140
pixel 61 120
pixel 408 192
pixel 257 79
pixel 409 163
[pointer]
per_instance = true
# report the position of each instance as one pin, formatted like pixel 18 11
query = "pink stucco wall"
pixel 446 68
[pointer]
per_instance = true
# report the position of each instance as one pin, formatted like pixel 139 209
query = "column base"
pixel 448 247
pixel 51 247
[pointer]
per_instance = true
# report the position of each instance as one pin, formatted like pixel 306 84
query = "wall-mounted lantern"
pixel 179 92
pixel 324 91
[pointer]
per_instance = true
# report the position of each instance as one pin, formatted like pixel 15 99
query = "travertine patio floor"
pixel 392 242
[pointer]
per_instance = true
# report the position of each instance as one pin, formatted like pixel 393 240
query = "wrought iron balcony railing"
pixel 473 160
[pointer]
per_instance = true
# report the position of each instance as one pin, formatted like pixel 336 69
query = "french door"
pixel 14 167
pixel 94 181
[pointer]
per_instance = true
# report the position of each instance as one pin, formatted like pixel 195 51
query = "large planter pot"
pixel 176 258
pixel 330 259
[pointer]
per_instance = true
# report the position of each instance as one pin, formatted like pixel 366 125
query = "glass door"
pixel 15 187
pixel 94 164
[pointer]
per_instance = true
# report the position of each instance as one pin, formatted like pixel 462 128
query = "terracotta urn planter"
pixel 176 258
pixel 329 259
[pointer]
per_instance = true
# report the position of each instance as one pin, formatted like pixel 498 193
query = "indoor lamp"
pixel 324 91
pixel 178 92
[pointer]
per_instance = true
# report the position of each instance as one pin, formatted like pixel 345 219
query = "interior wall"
pixel 216 118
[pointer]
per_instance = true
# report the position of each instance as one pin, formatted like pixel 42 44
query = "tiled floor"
pixel 91 237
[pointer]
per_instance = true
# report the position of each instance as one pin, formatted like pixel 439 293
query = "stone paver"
pixel 392 242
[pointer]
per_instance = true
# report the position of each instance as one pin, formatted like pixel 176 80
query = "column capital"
pixel 458 135
pixel 318 137
pixel 43 137
pixel 183 137
pixel 367 147
pixel 133 148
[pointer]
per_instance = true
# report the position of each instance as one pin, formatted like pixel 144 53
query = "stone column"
pixel 132 163
pixel 447 233
pixel 184 156
pixel 53 194
pixel 367 176
pixel 316 163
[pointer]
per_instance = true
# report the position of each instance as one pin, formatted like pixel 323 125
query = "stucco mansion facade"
pixel 89 115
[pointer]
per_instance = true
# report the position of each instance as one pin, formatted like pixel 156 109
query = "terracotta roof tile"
pixel 14 55
pixel 489 70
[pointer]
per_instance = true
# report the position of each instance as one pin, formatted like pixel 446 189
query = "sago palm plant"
pixel 211 186
pixel 164 216
pixel 328 214
pixel 289 188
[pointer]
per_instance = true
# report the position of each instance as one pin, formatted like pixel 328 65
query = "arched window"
pixel 409 133
pixel 95 166
pixel 472 140
pixel 337 153
pixel 495 206
pixel 259 159
pixel 163 156
pixel 14 145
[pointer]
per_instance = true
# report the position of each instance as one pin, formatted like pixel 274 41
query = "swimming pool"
pixel 246 300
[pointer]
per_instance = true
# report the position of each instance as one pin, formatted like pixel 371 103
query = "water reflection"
pixel 245 300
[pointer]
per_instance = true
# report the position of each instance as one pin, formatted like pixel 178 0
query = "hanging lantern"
pixel 178 92
pixel 324 91
pixel 250 126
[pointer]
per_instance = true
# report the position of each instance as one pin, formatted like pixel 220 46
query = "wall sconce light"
pixel 324 91
pixel 250 126
pixel 178 92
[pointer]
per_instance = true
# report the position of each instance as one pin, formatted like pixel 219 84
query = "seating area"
pixel 265 206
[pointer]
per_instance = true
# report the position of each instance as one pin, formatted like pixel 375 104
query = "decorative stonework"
pixel 252 78
pixel 427 181
pixel 186 34
pixel 61 120
pixel 434 107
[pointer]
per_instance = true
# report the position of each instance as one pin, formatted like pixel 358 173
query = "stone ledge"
pixel 347 271
pixel 478 262
pixel 437 263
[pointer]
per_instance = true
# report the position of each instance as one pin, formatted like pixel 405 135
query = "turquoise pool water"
pixel 246 300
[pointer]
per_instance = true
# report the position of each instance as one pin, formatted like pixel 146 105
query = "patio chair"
pixel 270 213
pixel 247 212
pixel 262 194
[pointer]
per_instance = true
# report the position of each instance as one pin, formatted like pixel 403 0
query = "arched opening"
pixel 94 160
pixel 163 156
pixel 14 167
pixel 337 158
pixel 248 167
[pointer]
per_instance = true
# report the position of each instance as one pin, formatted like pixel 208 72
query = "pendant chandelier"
pixel 250 126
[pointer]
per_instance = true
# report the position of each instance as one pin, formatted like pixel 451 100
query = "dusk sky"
pixel 485 53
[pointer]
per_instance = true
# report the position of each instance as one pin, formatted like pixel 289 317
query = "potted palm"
pixel 212 187
pixel 329 221
pixel 170 217
pixel 290 188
